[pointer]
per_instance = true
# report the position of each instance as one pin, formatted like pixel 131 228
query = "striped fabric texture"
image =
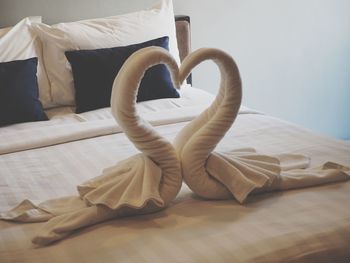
pixel 305 225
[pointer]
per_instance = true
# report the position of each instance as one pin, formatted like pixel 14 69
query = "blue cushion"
pixel 94 72
pixel 19 92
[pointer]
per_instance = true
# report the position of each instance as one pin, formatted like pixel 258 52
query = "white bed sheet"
pixel 300 225
pixel 65 126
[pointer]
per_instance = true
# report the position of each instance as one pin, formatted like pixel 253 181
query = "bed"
pixel 47 159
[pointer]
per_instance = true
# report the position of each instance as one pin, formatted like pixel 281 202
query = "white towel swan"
pixel 141 184
pixel 215 175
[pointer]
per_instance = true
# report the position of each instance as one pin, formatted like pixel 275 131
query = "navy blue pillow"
pixel 19 92
pixel 94 72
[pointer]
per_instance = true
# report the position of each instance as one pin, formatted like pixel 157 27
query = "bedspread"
pixel 311 224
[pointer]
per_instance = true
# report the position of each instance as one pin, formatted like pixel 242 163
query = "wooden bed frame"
pixel 183 35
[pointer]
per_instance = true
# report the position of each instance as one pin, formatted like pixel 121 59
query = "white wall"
pixel 294 55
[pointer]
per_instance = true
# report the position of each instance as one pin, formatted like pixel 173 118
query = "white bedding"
pixel 65 125
pixel 312 223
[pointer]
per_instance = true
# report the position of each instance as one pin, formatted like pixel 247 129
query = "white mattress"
pixel 299 225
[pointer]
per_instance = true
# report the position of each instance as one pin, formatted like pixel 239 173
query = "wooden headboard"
pixel 183 34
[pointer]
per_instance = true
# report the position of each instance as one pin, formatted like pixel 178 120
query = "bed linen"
pixel 306 224
pixel 65 126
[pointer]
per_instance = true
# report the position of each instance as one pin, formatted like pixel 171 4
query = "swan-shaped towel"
pixel 216 175
pixel 141 184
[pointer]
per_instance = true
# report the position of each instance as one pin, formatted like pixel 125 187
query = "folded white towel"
pixel 144 183
pixel 214 175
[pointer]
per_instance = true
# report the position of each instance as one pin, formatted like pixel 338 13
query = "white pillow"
pixel 18 43
pixel 97 33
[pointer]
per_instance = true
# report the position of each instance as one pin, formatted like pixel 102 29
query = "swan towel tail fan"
pixel 214 175
pixel 144 183
pixel 243 172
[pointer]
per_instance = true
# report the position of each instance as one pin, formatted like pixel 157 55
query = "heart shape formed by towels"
pixel 208 175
